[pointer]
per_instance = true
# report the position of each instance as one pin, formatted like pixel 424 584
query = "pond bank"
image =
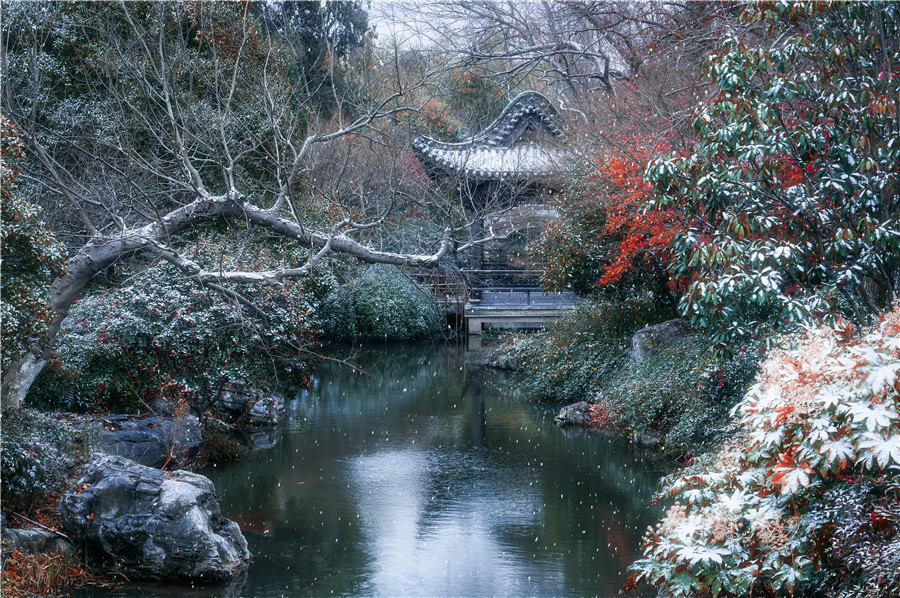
pixel 418 472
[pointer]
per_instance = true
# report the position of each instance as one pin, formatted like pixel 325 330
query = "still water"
pixel 413 472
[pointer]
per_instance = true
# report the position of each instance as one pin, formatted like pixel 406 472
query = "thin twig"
pixel 33 522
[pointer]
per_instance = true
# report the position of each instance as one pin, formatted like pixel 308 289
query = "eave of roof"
pixel 518 162
pixel 491 155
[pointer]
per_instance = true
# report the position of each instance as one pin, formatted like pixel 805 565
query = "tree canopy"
pixel 791 183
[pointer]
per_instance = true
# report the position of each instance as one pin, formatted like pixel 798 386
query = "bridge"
pixel 478 299
pixel 516 308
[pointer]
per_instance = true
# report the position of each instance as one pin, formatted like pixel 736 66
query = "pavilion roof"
pixel 500 152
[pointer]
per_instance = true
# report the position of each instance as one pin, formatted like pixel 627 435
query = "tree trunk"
pixel 18 380
pixel 101 252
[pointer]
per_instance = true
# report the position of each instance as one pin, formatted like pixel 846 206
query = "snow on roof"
pixel 497 152
pixel 528 161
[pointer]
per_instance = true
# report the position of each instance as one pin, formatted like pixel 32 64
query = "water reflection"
pixel 414 477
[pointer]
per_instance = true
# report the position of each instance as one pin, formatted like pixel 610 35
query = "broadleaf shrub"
pixel 790 189
pixel 682 394
pixel 31 256
pixel 120 348
pixel 567 361
pixel 380 303
pixel 780 507
pixel 33 456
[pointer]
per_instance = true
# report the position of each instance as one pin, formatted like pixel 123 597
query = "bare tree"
pixel 192 115
pixel 605 59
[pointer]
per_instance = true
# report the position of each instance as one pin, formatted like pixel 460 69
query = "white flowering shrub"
pixel 805 494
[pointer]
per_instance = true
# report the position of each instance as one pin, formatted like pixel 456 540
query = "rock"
pixel 153 524
pixel 217 426
pixel 33 541
pixel 647 439
pixel 573 415
pixel 150 440
pixel 650 338
pixel 232 405
pixel 267 410
pixel 263 439
pixel 504 361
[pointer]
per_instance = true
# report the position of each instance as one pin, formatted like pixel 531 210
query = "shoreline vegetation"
pixel 197 195
pixel 788 461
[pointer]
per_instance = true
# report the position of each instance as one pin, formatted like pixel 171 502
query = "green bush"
pixel 681 394
pixel 863 515
pixel 122 348
pixel 790 186
pixel 217 447
pixel 567 361
pixel 33 457
pixel 31 256
pixel 661 394
pixel 379 304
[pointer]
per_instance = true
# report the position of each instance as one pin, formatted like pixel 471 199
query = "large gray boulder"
pixel 576 414
pixel 154 524
pixel 150 440
pixel 237 406
pixel 652 338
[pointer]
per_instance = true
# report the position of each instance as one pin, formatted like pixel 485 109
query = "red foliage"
pixel 605 234
pixel 640 234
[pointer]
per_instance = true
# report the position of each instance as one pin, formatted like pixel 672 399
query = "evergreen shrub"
pixel 567 361
pixel 122 348
pixel 681 394
pixel 380 303
pixel 33 456
pixel 802 499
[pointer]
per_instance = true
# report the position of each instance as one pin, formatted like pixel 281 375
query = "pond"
pixel 416 472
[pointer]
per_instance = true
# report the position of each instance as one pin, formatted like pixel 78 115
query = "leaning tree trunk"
pixel 101 252
pixel 92 259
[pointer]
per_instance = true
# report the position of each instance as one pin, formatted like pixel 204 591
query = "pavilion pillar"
pixel 477 230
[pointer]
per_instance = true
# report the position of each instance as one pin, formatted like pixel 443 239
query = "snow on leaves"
pixel 789 190
pixel 823 414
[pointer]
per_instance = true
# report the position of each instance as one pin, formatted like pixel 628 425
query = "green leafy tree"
pixel 792 182
pixel 31 256
pixel 320 38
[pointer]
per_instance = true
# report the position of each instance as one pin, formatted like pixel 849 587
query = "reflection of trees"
pixel 484 468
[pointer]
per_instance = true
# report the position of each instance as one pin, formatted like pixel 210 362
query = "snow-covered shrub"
pixel 32 456
pixel 120 348
pixel 766 512
pixel 567 360
pixel 379 304
pixel 789 186
pixel 863 549
pixel 681 394
pixel 30 254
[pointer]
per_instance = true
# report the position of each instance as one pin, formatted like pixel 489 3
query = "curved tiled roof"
pixel 493 153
